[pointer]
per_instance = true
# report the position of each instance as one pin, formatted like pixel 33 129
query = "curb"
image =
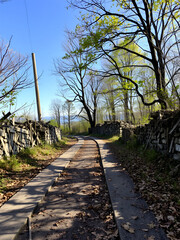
pixel 133 218
pixel 16 211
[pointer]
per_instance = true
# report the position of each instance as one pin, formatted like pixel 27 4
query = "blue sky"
pixel 47 21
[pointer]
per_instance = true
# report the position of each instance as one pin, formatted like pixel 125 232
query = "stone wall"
pixel 109 128
pixel 16 136
pixel 162 133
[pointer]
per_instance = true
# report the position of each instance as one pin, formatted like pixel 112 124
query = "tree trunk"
pixel 126 109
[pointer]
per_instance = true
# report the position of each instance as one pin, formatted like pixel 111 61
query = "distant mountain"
pixel 47 118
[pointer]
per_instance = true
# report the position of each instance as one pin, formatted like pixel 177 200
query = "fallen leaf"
pixel 145 230
pixel 134 217
pixel 151 225
pixel 151 238
pixel 127 227
pixel 170 218
pixel 1 196
pixel 97 206
pixel 131 230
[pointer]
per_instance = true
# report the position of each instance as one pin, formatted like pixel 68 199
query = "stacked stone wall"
pixel 16 136
pixel 109 128
pixel 162 133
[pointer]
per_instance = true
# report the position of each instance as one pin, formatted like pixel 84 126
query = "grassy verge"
pixel 156 178
pixel 18 170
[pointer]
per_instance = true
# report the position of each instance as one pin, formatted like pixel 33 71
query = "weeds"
pixel 3 183
pixel 10 163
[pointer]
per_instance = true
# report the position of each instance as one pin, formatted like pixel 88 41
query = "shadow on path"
pixel 78 205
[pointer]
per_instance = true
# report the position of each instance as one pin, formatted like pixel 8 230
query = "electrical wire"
pixel 28 25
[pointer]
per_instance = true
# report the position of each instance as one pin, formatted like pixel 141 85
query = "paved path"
pixel 65 206
pixel 134 220
pixel 78 205
pixel 14 213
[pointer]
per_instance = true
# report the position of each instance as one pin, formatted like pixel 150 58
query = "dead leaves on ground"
pixel 156 187
pixel 127 227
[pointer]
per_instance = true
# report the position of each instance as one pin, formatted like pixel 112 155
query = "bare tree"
pixel 56 111
pixel 13 74
pixel 82 85
pixel 68 108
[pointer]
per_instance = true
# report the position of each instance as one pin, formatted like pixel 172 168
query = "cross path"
pixel 133 218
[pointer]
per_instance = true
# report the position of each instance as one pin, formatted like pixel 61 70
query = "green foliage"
pixel 28 152
pixel 80 127
pixel 10 99
pixel 114 138
pixel 124 22
pixel 53 123
pixel 29 160
pixel 10 163
pixel 3 183
pixel 29 156
pixel 60 143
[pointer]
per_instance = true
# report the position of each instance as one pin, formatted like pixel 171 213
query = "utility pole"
pixel 36 87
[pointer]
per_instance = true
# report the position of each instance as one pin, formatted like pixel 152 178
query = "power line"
pixel 28 25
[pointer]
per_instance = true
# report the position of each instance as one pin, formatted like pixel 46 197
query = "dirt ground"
pixel 78 205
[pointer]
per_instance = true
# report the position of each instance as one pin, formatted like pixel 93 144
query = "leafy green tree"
pixel 153 26
pixel 111 97
pixel 53 122
pixel 122 90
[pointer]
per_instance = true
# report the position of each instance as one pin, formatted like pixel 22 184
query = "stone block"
pixel 176 156
pixel 164 141
pixel 177 147
pixel 2 132
pixel 160 146
pixel 163 135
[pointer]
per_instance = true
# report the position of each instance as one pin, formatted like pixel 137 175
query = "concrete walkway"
pixel 133 218
pixel 77 207
pixel 15 212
